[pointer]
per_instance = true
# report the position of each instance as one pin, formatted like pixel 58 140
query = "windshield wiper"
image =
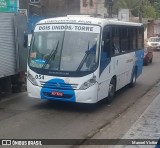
pixel 83 60
pixel 53 52
pixel 87 53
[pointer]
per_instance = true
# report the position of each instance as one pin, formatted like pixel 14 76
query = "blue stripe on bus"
pixel 158 144
pixel 104 62
pixel 54 85
pixel 139 62
pixel 139 54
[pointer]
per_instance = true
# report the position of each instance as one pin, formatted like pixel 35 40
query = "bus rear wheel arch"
pixel 134 78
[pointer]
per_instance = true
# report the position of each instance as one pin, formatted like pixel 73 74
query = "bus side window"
pixel 124 34
pixel 115 41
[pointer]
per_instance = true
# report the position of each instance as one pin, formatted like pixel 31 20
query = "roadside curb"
pixel 147 125
pixel 119 121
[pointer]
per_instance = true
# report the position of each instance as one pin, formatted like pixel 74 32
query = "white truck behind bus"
pixel 13 55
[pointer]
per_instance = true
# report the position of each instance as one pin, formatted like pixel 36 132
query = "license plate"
pixel 58 94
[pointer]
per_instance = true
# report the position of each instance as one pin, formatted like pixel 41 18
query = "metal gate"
pixel 7 45
pixel 13 56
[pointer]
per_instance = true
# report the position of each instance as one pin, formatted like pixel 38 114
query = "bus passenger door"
pixel 105 64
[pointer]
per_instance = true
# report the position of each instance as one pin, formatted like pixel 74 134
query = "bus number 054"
pixel 41 77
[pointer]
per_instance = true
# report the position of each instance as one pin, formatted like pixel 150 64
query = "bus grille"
pixel 63 86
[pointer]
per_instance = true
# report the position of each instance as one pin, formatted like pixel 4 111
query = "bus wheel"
pixel 111 92
pixel 134 79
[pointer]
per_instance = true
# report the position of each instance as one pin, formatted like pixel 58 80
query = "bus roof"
pixel 87 20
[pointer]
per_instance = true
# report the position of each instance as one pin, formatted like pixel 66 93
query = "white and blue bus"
pixel 83 59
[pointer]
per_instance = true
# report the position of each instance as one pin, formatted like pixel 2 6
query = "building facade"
pixel 93 7
pixel 51 8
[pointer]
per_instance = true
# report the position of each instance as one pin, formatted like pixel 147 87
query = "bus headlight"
pixel 88 83
pixel 31 79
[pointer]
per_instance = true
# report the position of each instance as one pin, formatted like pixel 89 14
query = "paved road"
pixel 23 117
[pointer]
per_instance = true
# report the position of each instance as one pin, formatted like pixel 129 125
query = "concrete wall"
pixel 150 27
pixel 101 9
pixel 97 8
pixel 88 9
pixel 157 27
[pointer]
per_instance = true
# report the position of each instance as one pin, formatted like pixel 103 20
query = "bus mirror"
pixel 25 43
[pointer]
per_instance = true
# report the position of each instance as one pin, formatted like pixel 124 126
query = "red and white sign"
pixel 59 94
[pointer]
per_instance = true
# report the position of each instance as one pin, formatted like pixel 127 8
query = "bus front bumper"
pixel 80 96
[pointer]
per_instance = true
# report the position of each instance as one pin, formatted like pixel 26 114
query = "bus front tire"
pixel 111 92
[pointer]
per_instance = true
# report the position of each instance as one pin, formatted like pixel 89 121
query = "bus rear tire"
pixel 134 79
pixel 111 92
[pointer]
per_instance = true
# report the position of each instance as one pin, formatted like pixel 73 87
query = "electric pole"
pixel 141 11
pixel 109 4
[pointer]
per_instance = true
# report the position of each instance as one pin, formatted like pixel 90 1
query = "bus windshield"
pixel 64 50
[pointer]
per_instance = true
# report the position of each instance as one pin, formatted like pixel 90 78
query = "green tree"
pixel 136 7
pixel 156 5
pixel 149 12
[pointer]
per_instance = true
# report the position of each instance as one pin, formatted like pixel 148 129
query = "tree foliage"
pixel 146 7
pixel 156 5
pixel 149 12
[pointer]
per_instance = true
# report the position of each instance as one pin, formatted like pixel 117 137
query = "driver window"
pixel 106 48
